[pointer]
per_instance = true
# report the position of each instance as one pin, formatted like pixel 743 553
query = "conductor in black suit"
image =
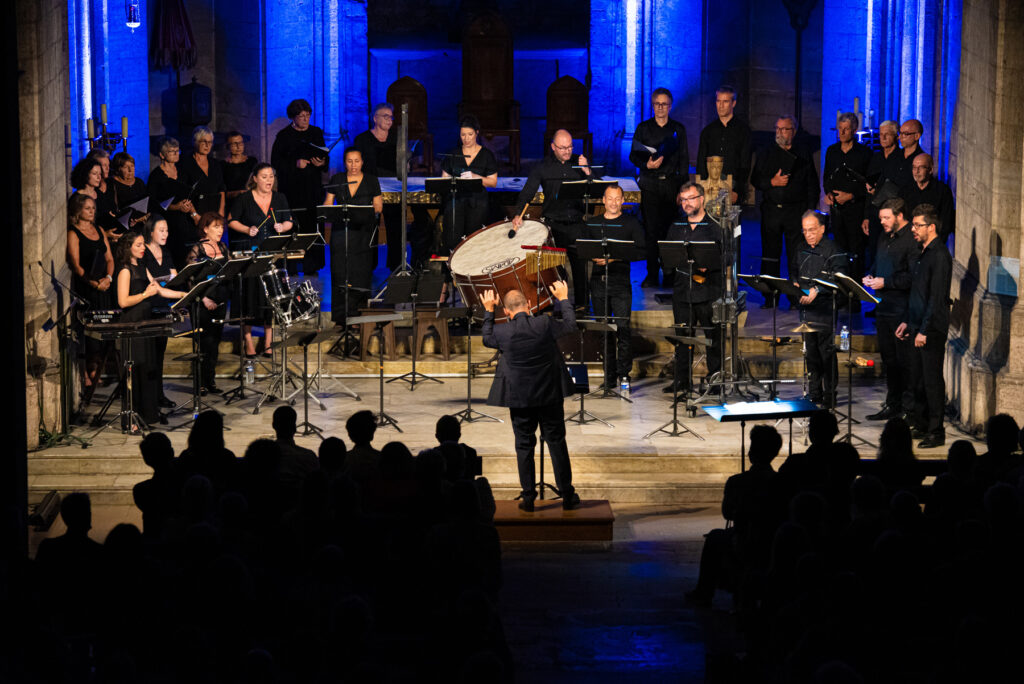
pixel 531 380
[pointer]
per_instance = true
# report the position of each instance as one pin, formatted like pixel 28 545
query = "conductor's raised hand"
pixel 489 299
pixel 559 290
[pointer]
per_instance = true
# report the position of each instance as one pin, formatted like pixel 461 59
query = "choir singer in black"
pixel 788 181
pixel 926 324
pixel 819 258
pixel 564 217
pixel 662 155
pixel 890 278
pixel 532 381
pixel 613 275
pixel 695 289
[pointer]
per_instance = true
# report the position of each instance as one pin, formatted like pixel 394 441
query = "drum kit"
pixel 289 306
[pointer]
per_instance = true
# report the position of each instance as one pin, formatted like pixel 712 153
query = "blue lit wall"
pixel 901 58
pixel 108 64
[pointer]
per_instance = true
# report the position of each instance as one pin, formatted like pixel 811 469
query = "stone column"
pixel 43 112
pixel 985 364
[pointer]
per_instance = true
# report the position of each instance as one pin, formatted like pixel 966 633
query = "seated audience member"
pixel 809 469
pixel 158 496
pixel 331 455
pixel 206 454
pixel 1001 458
pixel 896 466
pixel 362 462
pixel 461 461
pixel 296 461
pixel 753 502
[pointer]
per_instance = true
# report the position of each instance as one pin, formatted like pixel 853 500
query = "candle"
pixel 103 114
pixel 90 125
pixel 124 127
pixel 856 105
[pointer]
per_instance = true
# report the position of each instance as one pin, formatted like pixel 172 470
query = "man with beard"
pixel 819 257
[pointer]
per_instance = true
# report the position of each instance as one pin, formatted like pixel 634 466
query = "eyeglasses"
pixel 919 225
pixel 566 148
pixel 384 116
pixel 692 198
pixel 662 104
pixel 905 133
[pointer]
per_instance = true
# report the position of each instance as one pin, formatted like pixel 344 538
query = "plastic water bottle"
pixel 250 373
pixel 844 339
pixel 624 386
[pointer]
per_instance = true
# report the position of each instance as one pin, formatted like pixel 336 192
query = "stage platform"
pixel 593 521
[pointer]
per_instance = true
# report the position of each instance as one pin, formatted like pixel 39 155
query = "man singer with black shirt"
pixel 846 165
pixel 564 217
pixel 661 174
pixel 890 277
pixel 818 259
pixel 788 182
pixel 693 293
pixel 614 225
pixel 926 323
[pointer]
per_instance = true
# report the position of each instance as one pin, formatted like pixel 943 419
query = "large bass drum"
pixel 490 260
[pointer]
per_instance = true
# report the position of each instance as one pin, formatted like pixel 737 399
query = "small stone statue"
pixel 714 185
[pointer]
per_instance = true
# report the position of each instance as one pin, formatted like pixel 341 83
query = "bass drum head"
pixel 490 250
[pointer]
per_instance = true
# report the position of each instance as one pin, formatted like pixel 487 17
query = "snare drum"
pixel 490 260
pixel 276 285
pixel 305 303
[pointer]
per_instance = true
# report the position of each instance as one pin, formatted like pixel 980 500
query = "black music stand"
pixel 581 380
pixel 191 303
pixel 341 216
pixel 762 410
pixel 380 320
pixel 410 289
pixel 680 256
pixel 772 287
pixel 305 339
pixel 607 248
pixel 854 292
pixel 127 415
pixel 679 428
pixel 243 268
pixel 583 189
pixel 832 289
pixel 468 414
pixel 449 189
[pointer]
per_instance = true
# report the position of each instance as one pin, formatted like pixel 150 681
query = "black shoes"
pixel 526 505
pixel 164 402
pixel 212 389
pixel 931 441
pixel 570 503
pixel 918 433
pixel 886 413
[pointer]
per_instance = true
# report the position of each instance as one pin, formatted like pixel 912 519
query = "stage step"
pixel 591 522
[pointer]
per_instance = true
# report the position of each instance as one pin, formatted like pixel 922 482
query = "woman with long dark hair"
pixel 160 265
pixel 213 306
pixel 254 216
pixel 136 290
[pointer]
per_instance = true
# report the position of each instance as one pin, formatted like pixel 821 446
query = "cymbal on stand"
pixel 806 327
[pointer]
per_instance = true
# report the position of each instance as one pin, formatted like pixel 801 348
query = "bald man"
pixel 927 189
pixel 532 381
pixel 564 217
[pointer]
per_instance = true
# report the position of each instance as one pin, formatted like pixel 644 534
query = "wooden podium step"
pixel 591 522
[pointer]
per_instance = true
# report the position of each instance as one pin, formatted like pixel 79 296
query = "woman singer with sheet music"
pixel 126 189
pixel 213 305
pixel 469 159
pixel 355 260
pixel 254 217
pixel 160 264
pixel 136 289
pixel 167 184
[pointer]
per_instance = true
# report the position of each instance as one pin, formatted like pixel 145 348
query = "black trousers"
pixel 658 208
pixel 160 346
pixel 551 419
pixel 212 323
pixel 780 225
pixel 822 367
pixel 702 317
pixel 393 227
pixel 846 227
pixel 565 235
pixel 929 387
pixel 896 359
pixel 355 264
pixel 470 213
pixel 618 360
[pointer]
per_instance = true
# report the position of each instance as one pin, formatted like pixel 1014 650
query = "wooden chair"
pixel 487 85
pixel 407 90
pixel 426 318
pixel 367 331
pixel 569 108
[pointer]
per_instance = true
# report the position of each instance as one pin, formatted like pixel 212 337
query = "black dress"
pixel 145 379
pixel 106 209
pixel 362 256
pixel 470 210
pixel 302 187
pixel 181 229
pixel 161 272
pixel 208 186
pixel 92 257
pixel 237 175
pixel 246 211
pixel 211 322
